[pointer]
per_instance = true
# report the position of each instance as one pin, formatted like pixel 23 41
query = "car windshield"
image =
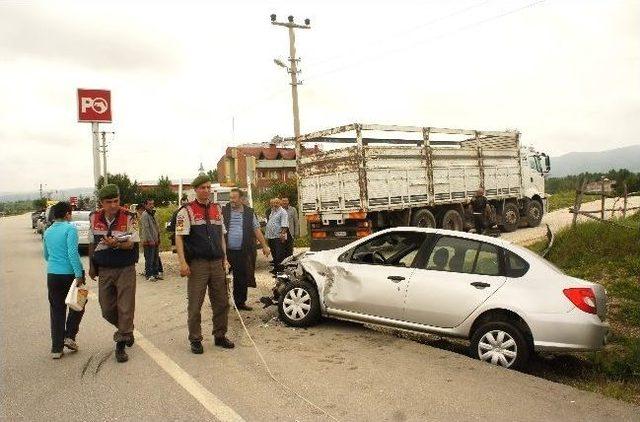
pixel 526 252
pixel 80 216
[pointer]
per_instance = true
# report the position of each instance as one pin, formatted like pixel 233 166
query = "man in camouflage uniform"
pixel 203 259
pixel 113 253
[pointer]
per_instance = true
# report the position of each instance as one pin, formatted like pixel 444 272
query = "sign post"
pixel 94 106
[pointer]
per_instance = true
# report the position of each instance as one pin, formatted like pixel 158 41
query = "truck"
pixel 369 177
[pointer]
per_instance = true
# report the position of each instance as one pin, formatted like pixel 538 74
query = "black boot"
pixel 196 347
pixel 224 342
pixel 121 355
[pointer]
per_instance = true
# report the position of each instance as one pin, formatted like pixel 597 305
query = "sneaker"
pixel 224 342
pixel 160 276
pixel 151 278
pixel 121 355
pixel 196 347
pixel 56 355
pixel 71 344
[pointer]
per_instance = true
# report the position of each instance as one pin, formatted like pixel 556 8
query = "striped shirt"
pixel 234 231
pixel 277 220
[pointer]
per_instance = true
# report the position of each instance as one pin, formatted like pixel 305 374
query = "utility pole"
pixel 293 71
pixel 293 68
pixel 95 128
pixel 103 149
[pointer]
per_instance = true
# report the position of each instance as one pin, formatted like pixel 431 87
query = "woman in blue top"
pixel 63 266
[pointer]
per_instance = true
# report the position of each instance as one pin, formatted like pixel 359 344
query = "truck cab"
pixel 535 166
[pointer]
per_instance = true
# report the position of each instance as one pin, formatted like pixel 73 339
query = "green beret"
pixel 203 178
pixel 109 191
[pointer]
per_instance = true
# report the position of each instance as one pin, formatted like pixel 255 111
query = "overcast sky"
pixel 564 73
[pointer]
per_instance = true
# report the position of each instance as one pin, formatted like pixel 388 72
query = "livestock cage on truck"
pixel 415 176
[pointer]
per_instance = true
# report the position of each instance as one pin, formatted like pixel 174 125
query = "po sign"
pixel 94 105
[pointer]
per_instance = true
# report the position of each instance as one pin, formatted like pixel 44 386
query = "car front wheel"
pixel 500 343
pixel 300 305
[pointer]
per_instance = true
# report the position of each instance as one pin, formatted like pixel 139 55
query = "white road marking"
pixel 206 398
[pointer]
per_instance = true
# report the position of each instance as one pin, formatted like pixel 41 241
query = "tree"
pixel 280 189
pixel 40 204
pixel 213 175
pixel 163 194
pixel 129 192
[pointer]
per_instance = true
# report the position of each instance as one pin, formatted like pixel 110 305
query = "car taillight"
pixel 583 298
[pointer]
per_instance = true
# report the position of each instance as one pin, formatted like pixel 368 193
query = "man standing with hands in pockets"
pixel 202 255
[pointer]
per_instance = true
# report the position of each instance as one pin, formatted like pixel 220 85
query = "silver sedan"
pixel 505 299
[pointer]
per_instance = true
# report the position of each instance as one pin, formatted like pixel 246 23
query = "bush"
pixel 163 215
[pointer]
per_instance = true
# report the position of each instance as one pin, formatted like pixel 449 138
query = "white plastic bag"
pixel 77 296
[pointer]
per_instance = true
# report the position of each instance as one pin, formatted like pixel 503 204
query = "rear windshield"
pixel 532 255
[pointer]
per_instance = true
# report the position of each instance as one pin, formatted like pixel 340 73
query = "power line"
pixel 408 31
pixel 426 41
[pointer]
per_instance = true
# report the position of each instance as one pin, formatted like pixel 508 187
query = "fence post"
pixel 578 201
pixel 602 199
pixel 624 204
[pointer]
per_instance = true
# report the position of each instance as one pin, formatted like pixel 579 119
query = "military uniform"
pixel 201 227
pixel 116 270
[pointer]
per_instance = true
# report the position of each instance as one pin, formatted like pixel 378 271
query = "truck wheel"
pixel 533 213
pixel 452 220
pixel 423 218
pixel 510 217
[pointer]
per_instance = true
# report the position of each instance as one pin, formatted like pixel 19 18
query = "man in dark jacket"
pixel 479 205
pixel 242 231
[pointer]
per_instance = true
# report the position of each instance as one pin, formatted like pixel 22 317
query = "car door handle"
pixel 480 284
pixel 396 278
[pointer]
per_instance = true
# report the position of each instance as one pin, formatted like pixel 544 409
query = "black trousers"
pixel 242 270
pixel 479 222
pixel 58 286
pixel 278 250
pixel 288 246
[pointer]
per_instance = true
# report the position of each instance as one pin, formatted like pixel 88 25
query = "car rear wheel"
pixel 500 343
pixel 300 305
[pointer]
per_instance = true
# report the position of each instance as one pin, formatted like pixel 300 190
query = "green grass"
pixel 608 255
pixel 566 199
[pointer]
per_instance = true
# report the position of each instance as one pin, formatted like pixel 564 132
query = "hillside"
pixel 601 161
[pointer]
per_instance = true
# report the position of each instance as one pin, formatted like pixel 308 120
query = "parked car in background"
pixel 34 218
pixel 80 219
pixel 45 221
pixel 507 300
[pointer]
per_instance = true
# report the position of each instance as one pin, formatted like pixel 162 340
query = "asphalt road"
pixel 354 373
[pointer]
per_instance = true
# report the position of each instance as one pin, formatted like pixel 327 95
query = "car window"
pixel 453 254
pixel 516 266
pixel 80 216
pixel 488 262
pixel 392 248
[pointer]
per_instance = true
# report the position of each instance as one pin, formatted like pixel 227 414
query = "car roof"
pixel 472 236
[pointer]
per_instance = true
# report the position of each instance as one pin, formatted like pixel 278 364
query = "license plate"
pixel 340 234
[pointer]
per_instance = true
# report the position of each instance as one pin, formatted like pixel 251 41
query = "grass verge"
pixel 608 255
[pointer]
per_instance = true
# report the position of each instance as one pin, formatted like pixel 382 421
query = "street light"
pixel 280 63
